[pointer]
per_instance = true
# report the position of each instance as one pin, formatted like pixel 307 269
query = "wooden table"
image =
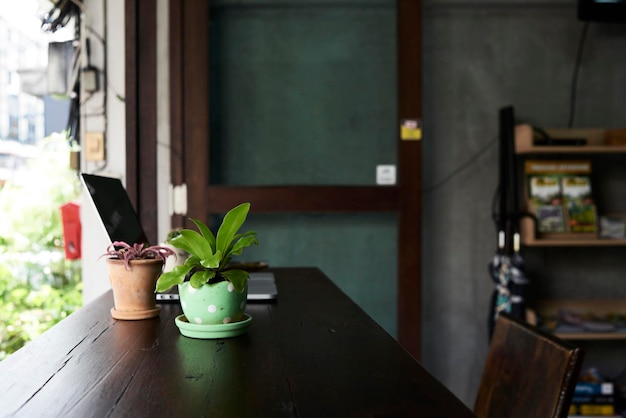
pixel 312 353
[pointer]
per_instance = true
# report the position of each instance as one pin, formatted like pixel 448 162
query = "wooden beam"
pixel 304 198
pixel 130 16
pixel 196 94
pixel 177 127
pixel 141 111
pixel 409 19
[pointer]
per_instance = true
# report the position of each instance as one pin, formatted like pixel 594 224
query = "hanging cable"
pixel 574 87
pixel 62 12
pixel 462 167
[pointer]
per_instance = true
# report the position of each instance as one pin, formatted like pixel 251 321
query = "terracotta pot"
pixel 212 304
pixel 133 290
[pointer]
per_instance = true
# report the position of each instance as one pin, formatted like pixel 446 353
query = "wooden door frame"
pixel 409 41
pixel 189 105
pixel 141 111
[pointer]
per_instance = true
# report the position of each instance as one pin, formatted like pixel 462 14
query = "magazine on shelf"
pixel 578 200
pixel 545 195
pixel 560 196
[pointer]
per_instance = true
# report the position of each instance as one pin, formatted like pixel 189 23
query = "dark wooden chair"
pixel 528 373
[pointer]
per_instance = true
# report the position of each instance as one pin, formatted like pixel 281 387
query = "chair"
pixel 528 373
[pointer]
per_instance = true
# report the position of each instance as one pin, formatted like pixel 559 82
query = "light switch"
pixel 385 175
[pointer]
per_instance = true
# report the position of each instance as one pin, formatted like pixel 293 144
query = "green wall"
pixel 305 93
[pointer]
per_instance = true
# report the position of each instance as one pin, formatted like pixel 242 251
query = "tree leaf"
pixel 230 225
pixel 212 262
pixel 242 241
pixel 193 243
pixel 200 278
pixel 172 278
pixel 237 277
pixel 206 232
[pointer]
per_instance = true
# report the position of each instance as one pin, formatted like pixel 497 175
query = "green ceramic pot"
pixel 212 304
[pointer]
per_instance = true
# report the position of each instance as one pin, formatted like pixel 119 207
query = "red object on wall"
pixel 70 215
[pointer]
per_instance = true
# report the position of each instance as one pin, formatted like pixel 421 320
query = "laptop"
pixel 116 212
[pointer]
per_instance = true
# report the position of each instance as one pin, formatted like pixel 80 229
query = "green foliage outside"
pixel 38 286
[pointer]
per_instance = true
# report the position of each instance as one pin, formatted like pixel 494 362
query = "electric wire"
pixel 62 12
pixel 574 86
pixel 460 168
pixel 58 17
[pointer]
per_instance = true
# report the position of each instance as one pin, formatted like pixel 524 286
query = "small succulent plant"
pixel 123 251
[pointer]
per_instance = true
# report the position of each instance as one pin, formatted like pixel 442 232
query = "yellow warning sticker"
pixel 411 130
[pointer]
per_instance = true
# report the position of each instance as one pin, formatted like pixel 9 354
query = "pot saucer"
pixel 210 331
pixel 135 315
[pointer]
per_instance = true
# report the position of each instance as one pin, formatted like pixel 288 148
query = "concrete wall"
pixel 478 57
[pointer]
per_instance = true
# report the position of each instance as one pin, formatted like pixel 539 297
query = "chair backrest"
pixel 528 373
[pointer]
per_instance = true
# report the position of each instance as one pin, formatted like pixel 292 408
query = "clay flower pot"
pixel 133 289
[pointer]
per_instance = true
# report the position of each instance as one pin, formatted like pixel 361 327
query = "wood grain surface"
pixel 312 353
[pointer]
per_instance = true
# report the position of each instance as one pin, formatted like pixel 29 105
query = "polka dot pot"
pixel 212 304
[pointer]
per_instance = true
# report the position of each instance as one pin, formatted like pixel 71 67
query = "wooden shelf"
pixel 592 336
pixel 598 141
pixel 598 307
pixel 529 238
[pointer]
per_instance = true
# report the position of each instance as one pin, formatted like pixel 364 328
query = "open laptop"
pixel 111 201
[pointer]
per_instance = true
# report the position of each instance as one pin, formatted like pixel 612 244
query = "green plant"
pixel 38 286
pixel 210 255
pixel 173 233
pixel 123 251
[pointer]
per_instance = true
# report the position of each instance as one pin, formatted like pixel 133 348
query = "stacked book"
pixel 593 399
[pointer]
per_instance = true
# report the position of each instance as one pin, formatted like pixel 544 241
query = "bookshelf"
pixel 599 142
pixel 597 323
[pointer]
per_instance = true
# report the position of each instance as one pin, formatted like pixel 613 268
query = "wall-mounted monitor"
pixel 602 10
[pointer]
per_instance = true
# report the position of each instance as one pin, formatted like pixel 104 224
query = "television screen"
pixel 602 10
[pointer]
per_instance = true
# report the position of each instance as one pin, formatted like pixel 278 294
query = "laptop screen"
pixel 115 209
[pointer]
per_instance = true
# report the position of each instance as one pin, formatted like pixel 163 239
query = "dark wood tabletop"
pixel 311 353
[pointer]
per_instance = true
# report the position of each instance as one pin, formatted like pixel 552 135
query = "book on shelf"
pixel 594 416
pixel 560 196
pixel 594 388
pixel 593 399
pixel 592 409
pixel 612 226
